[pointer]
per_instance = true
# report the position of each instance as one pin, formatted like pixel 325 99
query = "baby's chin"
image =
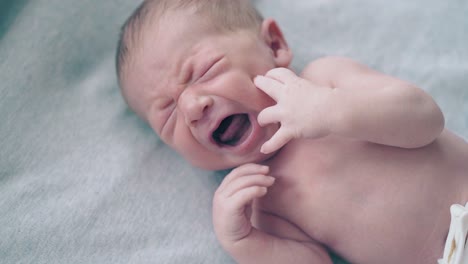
pixel 233 162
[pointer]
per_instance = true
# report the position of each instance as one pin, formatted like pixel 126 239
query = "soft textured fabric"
pixel 456 250
pixel 83 180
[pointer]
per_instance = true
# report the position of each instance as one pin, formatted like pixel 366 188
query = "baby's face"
pixel 195 88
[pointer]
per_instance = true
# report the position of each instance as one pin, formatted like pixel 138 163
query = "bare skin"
pixel 371 203
pixel 342 158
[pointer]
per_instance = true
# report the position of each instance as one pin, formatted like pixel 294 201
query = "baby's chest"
pixel 306 169
pixel 311 190
pixel 320 185
pixel 351 168
pixel 337 190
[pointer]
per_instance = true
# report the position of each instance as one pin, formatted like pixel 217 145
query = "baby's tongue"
pixel 236 129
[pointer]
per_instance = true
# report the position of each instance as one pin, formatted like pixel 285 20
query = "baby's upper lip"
pixel 207 125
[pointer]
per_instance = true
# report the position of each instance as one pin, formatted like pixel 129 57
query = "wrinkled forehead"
pixel 166 46
pixel 163 44
pixel 159 54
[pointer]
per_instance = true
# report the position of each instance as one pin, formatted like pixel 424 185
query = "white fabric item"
pixel 456 249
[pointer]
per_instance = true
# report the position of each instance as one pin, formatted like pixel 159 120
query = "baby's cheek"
pixel 261 101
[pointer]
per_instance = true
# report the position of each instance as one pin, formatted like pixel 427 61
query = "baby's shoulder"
pixel 331 63
pixel 325 70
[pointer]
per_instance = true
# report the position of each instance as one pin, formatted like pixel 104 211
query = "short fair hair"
pixel 226 15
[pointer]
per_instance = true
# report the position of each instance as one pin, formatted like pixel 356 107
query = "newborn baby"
pixel 338 158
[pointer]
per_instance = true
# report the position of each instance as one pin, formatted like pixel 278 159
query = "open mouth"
pixel 232 130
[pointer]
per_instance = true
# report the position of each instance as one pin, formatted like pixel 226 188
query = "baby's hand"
pixel 301 107
pixel 233 200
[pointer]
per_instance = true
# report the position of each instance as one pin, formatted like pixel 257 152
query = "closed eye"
pixel 164 103
pixel 210 70
pixel 169 123
pixel 163 109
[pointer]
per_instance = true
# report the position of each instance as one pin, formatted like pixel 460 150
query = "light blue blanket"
pixel 83 180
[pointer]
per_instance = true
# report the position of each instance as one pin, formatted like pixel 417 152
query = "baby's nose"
pixel 194 106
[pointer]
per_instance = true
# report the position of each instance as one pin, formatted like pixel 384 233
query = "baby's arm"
pixel 232 211
pixel 339 96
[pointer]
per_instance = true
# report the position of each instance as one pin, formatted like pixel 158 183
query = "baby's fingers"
pixel 281 74
pixel 244 197
pixel 279 139
pixel 268 85
pixel 244 170
pixel 249 181
pixel 269 115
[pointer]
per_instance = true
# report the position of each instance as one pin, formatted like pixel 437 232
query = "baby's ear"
pixel 273 37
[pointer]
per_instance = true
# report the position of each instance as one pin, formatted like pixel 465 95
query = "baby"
pixel 339 158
